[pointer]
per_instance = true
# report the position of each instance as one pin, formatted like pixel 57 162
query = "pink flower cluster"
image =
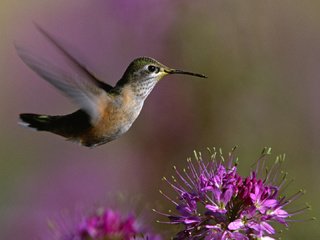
pixel 215 202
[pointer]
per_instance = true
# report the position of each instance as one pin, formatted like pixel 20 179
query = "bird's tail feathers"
pixel 36 121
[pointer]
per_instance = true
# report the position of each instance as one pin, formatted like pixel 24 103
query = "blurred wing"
pixel 90 97
pixel 80 67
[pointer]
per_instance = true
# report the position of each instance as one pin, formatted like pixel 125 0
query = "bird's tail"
pixel 37 121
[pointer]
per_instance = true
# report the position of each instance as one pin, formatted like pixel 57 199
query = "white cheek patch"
pixel 143 72
pixel 154 74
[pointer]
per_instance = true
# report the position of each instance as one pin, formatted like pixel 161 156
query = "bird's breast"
pixel 118 116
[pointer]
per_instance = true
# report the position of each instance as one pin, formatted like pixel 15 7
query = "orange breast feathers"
pixel 119 113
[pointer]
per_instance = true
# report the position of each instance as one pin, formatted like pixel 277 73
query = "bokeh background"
pixel 262 59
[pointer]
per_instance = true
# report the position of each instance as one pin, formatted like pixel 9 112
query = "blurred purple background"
pixel 262 59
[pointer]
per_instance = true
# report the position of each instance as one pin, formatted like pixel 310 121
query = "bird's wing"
pixel 73 61
pixel 87 94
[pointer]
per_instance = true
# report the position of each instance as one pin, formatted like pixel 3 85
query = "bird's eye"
pixel 152 68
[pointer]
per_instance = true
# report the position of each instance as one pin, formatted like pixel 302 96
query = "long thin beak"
pixel 175 71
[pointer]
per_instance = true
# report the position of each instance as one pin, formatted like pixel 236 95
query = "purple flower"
pixel 105 224
pixel 215 202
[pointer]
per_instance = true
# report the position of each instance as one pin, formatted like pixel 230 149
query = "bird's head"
pixel 143 73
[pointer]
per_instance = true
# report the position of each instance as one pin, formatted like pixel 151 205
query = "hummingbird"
pixel 106 112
